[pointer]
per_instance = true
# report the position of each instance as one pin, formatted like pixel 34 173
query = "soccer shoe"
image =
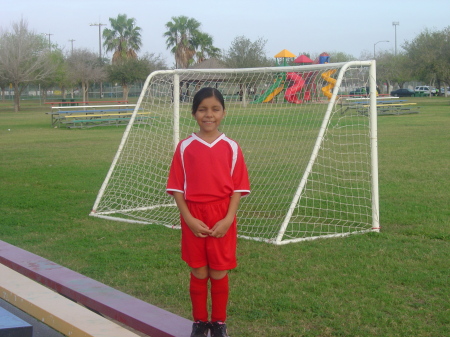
pixel 200 329
pixel 219 329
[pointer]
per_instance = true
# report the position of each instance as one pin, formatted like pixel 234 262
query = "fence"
pixel 96 91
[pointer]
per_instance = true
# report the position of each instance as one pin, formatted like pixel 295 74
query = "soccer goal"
pixel 311 151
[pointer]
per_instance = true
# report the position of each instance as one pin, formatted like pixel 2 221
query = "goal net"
pixel 311 153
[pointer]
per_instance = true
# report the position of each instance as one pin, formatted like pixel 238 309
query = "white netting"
pixel 276 115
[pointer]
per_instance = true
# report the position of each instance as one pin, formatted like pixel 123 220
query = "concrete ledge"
pixel 55 310
pixel 13 326
pixel 97 296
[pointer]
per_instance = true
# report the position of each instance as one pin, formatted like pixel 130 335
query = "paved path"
pixel 39 329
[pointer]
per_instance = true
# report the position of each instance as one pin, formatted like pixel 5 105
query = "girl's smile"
pixel 209 115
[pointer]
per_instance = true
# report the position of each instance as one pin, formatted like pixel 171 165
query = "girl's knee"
pixel 217 274
pixel 200 273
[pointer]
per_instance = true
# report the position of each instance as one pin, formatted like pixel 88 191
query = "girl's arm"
pixel 221 227
pixel 198 227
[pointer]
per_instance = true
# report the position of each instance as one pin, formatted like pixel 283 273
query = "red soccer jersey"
pixel 208 172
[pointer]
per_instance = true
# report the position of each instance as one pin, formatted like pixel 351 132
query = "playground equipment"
pixel 291 92
pixel 293 83
pixel 332 82
pixel 274 90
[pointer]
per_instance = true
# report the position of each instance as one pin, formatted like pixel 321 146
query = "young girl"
pixel 207 178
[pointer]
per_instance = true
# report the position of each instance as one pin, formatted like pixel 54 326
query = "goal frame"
pixel 371 64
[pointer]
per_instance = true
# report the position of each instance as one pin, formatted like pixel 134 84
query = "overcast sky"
pixel 315 26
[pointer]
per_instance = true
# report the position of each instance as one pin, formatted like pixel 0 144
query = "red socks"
pixel 219 298
pixel 199 298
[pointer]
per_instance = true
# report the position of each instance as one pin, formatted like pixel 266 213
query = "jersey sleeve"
pixel 240 177
pixel 175 182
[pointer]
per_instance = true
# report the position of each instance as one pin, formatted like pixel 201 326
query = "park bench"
pixel 98 297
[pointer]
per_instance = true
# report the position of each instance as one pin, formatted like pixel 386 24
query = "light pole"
pixel 395 24
pixel 49 43
pixel 374 56
pixel 72 44
pixel 99 48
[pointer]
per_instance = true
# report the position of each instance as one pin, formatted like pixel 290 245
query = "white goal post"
pixel 311 152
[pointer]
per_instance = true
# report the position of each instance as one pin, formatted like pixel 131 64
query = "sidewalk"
pixel 39 329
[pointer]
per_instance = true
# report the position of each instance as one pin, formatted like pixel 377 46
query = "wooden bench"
pixel 94 295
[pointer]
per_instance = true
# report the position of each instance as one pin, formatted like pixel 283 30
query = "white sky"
pixel 314 26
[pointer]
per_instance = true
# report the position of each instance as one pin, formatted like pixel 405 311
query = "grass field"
pixel 394 283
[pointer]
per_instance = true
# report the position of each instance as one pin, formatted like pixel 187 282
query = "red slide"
pixel 290 94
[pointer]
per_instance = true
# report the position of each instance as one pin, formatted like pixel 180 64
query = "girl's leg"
pixel 219 294
pixel 198 290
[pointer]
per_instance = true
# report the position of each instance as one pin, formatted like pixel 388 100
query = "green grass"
pixel 394 283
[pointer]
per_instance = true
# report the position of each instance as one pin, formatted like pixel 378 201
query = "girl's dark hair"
pixel 206 93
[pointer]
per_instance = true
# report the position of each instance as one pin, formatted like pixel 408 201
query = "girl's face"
pixel 209 115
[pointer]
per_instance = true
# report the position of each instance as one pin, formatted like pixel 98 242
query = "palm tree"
pixel 124 38
pixel 186 41
pixel 179 37
pixel 205 48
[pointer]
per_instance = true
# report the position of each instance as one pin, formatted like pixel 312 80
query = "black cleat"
pixel 200 329
pixel 219 329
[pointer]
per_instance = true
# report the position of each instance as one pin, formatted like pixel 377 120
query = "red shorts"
pixel 216 253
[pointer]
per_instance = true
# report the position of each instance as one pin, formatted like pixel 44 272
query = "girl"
pixel 207 178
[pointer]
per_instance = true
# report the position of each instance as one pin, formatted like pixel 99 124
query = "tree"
pixel 3 84
pixel 243 53
pixel 180 38
pixel 124 38
pixel 187 43
pixel 397 68
pixel 24 58
pixel 58 76
pixel 338 56
pixel 134 70
pixel 204 47
pixel 85 67
pixel 154 62
pixel 430 55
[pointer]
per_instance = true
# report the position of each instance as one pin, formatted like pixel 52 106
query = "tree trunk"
pixel 16 97
pixel 85 90
pixel 125 91
pixel 388 86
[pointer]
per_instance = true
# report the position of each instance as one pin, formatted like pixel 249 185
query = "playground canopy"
pixel 284 53
pixel 303 59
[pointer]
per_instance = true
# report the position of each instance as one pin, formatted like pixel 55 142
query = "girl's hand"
pixel 199 228
pixel 220 229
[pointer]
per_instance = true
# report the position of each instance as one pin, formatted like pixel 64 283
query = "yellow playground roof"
pixel 285 53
